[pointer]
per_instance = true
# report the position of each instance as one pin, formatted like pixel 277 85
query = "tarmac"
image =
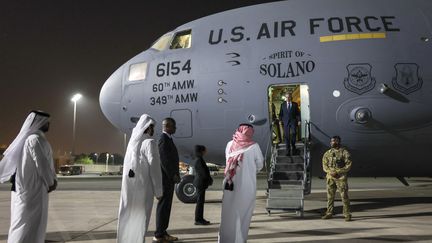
pixel 384 210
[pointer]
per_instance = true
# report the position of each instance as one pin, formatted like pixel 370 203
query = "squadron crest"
pixel 359 78
pixel 407 79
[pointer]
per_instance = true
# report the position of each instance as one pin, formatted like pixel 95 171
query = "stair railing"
pixel 306 157
pixel 273 153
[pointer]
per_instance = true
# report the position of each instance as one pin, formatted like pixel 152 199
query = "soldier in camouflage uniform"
pixel 336 163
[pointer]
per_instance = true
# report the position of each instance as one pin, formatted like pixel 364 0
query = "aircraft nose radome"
pixel 110 97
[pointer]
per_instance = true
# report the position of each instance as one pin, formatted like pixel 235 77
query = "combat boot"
pixel 348 217
pixel 327 216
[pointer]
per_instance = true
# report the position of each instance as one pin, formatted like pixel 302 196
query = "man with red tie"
pixel 290 117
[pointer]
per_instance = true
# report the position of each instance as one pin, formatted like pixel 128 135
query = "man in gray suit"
pixel 290 117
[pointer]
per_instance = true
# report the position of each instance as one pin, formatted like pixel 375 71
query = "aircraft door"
pixel 131 100
pixel 304 110
pixel 300 94
pixel 183 118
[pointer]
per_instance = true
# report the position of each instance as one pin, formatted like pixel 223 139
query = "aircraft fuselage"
pixel 366 68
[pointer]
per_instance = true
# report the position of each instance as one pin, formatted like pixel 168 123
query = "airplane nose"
pixel 110 97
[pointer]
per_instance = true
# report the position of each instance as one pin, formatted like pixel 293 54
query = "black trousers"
pixel 163 210
pixel 199 209
pixel 290 135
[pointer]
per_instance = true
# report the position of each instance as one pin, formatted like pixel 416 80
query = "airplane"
pixel 360 70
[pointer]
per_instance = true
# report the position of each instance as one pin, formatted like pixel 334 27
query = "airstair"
pixel 289 177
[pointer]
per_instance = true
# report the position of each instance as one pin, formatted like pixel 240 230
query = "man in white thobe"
pixel 142 181
pixel 244 161
pixel 28 160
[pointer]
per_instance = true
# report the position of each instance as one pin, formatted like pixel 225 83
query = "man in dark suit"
pixel 290 117
pixel 170 176
pixel 202 180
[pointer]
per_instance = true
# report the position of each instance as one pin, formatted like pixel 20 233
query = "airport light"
pixel 74 99
pixel 108 156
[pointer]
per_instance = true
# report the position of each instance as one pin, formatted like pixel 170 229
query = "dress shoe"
pixel 202 222
pixel 158 239
pixel 170 238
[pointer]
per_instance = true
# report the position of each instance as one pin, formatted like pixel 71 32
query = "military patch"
pixel 359 78
pixel 407 79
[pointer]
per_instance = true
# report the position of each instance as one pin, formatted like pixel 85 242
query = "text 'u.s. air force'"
pixel 287 28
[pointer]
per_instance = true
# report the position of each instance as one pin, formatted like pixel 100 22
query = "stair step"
pixel 278 175
pixel 283 146
pixel 286 182
pixel 282 153
pixel 284 193
pixel 279 186
pixel 283 203
pixel 289 160
pixel 289 167
pixel 287 171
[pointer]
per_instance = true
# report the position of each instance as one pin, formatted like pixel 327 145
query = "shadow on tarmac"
pixel 80 236
pixel 384 238
pixel 75 236
pixel 107 235
pixel 305 233
pixel 360 205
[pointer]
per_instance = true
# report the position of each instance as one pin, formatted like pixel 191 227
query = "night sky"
pixel 50 50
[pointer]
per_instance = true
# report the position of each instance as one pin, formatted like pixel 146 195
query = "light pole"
pixel 74 99
pixel 106 165
pixel 124 143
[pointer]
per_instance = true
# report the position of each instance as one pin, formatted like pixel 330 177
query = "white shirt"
pixel 169 135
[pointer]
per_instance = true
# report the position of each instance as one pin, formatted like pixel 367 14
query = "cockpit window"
pixel 137 71
pixel 182 40
pixel 162 43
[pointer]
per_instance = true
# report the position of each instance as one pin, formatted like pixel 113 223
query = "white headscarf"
pixel 134 145
pixel 13 154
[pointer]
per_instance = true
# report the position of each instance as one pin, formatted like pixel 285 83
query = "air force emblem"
pixel 407 79
pixel 359 78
